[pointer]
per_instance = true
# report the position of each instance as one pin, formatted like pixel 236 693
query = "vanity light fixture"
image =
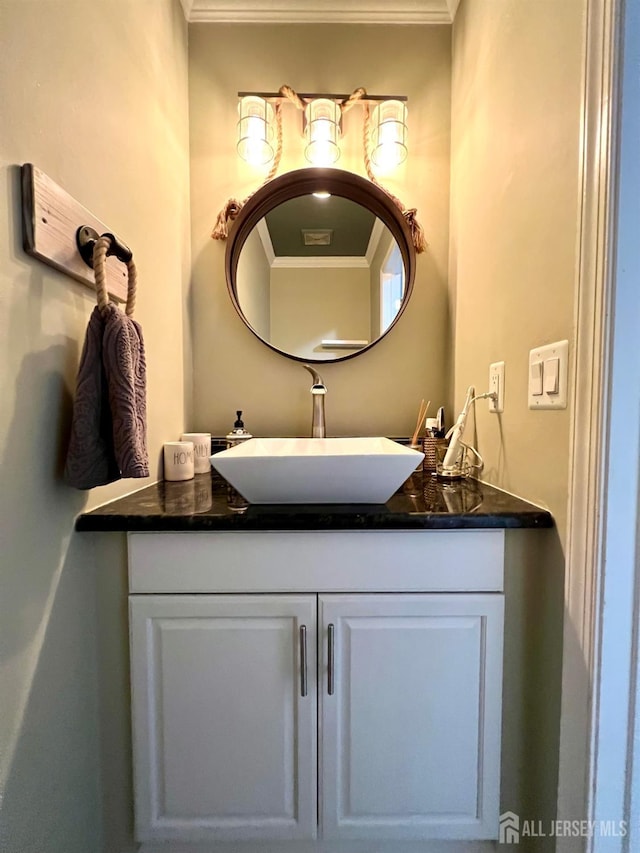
pixel 389 134
pixel 384 130
pixel 322 130
pixel 384 139
pixel 255 130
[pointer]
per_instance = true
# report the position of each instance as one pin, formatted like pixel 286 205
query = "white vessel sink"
pixel 316 470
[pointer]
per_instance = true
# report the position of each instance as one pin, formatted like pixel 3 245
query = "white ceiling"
pixel 321 11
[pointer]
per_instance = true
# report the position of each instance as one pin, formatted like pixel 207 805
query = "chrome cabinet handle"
pixel 331 686
pixel 303 660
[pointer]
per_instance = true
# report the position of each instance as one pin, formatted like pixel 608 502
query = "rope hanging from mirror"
pixel 233 207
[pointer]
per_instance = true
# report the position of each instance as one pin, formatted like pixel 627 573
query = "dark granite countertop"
pixel 423 502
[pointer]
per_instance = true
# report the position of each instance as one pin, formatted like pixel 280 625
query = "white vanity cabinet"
pixel 337 686
pixel 224 741
pixel 410 726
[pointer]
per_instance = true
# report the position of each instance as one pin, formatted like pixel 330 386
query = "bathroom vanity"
pixel 318 674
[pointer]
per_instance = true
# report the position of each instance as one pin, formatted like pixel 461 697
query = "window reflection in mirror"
pixel 319 277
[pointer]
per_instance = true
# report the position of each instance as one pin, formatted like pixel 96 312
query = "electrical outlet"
pixel 496 385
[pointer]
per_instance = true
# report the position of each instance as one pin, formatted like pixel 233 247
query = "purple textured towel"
pixel 108 430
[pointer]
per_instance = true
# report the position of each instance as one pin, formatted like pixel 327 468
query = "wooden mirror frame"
pixel 303 182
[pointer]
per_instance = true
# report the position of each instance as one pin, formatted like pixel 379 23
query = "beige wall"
pixel 96 97
pixel 514 223
pixel 309 305
pixel 254 284
pixel 516 98
pixel 378 392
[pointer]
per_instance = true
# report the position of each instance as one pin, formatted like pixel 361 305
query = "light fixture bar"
pixel 312 96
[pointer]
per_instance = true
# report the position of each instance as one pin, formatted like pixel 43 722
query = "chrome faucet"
pixel 318 390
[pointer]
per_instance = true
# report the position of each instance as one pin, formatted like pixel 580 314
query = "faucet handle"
pixel 318 385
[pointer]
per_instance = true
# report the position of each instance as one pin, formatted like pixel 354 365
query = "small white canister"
pixel 178 460
pixel 201 450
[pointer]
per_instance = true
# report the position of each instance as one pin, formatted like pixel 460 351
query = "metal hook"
pixel 86 237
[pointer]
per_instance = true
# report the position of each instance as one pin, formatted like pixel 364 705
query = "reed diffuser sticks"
pixel 422 414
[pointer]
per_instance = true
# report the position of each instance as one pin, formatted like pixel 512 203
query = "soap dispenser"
pixel 238 434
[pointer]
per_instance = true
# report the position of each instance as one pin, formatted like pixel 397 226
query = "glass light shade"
pixel 322 131
pixel 255 130
pixel 389 134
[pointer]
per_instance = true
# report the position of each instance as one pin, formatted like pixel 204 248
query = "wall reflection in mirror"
pixel 320 276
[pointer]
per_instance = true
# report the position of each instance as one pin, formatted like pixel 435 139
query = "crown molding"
pixel 320 12
pixel 453 8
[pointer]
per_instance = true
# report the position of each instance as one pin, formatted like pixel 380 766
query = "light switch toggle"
pixel 536 378
pixel 552 376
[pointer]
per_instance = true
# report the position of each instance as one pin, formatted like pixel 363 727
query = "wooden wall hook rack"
pixel 51 219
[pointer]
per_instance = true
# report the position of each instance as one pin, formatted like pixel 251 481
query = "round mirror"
pixel 320 264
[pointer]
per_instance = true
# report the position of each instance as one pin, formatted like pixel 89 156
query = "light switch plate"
pixel 560 351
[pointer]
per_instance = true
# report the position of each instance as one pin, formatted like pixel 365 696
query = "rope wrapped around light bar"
pixel 385 133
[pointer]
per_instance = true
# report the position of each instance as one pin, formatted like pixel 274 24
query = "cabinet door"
pixel 410 737
pixel 224 740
